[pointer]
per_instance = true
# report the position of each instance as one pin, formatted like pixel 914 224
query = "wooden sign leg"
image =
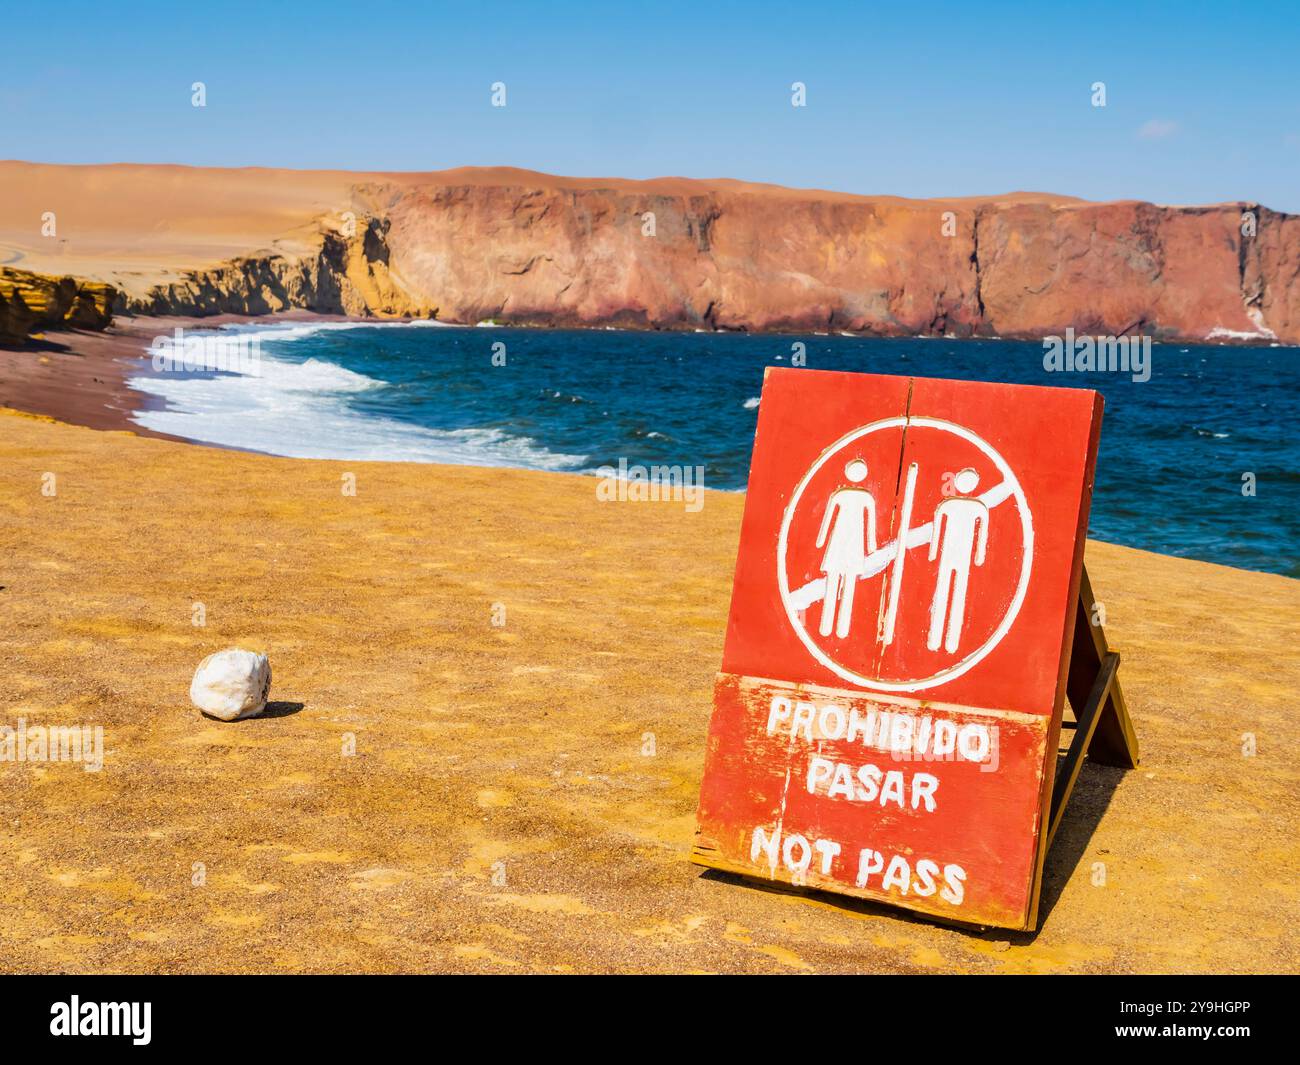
pixel 1104 731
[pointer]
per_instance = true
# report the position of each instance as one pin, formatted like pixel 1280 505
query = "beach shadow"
pixel 859 907
pixel 1083 813
pixel 30 344
pixel 279 709
pixel 45 344
pixel 847 903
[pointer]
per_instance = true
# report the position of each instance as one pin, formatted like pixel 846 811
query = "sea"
pixel 1202 460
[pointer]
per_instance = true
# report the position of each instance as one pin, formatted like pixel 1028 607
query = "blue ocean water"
pixel 1170 473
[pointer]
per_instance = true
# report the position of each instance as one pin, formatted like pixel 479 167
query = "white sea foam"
pixel 751 403
pixel 297 330
pixel 301 410
pixel 1219 333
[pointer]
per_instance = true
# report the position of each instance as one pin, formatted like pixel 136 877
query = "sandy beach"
pixel 521 797
pixel 80 375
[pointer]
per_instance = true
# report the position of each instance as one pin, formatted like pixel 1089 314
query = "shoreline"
pixel 79 376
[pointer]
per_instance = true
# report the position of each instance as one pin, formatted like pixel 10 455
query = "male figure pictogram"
pixel 960 525
pixel 847 511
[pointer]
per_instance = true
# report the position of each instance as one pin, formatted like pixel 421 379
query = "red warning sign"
pixel 886 719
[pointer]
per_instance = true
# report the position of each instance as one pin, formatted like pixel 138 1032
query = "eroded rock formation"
pixel 31 302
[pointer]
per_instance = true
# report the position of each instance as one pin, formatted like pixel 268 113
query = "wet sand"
pixel 79 375
pixel 521 797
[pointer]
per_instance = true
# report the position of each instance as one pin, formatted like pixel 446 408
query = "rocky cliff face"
pixel 755 261
pixel 1175 273
pixel 346 273
pixel 748 261
pixel 31 302
pixel 526 248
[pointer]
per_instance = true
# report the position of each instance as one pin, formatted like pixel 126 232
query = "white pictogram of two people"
pixel 959 533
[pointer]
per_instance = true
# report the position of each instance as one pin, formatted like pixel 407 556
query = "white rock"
pixel 232 684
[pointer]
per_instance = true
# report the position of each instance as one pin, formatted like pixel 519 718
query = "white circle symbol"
pixel 962 666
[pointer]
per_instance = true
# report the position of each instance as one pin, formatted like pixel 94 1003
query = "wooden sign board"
pixel 887 716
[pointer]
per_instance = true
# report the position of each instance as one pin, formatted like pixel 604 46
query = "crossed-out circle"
pixel 971 660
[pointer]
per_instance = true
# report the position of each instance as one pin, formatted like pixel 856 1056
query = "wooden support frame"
pixel 1103 729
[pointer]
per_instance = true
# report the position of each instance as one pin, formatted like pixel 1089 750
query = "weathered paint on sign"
pixel 886 720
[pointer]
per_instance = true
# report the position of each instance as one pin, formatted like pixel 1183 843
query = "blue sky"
pixel 1203 100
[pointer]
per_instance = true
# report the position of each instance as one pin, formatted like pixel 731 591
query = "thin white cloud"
pixel 1157 129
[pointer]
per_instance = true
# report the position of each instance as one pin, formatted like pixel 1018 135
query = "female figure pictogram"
pixel 850 512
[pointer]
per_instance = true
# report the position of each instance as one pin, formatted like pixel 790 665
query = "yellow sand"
pixel 501 812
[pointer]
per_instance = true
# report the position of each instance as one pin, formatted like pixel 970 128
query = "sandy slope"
pixel 523 745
